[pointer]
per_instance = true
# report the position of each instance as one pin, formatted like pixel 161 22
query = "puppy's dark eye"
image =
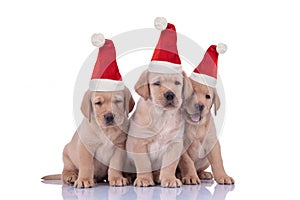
pixel 207 96
pixel 177 83
pixel 99 103
pixel 157 83
pixel 117 101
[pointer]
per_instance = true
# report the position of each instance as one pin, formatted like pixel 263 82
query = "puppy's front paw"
pixel 224 180
pixel 203 175
pixel 170 182
pixel 118 181
pixel 84 183
pixel 69 177
pixel 143 181
pixel 191 180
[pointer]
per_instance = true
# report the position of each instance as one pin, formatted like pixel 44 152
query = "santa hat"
pixel 165 58
pixel 106 75
pixel 207 70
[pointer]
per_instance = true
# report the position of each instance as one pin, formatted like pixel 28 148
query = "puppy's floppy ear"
pixel 129 101
pixel 142 85
pixel 216 101
pixel 86 105
pixel 187 86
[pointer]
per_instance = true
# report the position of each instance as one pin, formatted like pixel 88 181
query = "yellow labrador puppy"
pixel 201 142
pixel 99 141
pixel 155 137
pixel 97 148
pixel 203 147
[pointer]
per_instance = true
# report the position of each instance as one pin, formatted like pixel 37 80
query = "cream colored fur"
pixel 97 148
pixel 201 142
pixel 155 137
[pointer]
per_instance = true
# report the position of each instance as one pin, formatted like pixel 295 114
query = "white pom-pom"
pixel 160 23
pixel 221 48
pixel 98 39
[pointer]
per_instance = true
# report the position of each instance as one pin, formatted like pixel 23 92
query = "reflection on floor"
pixel 205 191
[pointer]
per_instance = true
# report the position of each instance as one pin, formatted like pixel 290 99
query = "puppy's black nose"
pixel 109 117
pixel 199 106
pixel 169 95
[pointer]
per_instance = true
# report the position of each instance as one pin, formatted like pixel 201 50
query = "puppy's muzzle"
pixel 196 116
pixel 199 107
pixel 109 118
pixel 169 96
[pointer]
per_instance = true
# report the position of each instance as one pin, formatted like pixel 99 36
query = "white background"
pixel 42 48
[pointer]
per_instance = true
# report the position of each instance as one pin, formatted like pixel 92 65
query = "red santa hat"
pixel 106 75
pixel 165 58
pixel 206 72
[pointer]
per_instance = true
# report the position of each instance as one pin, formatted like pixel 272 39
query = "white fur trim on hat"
pixel 204 79
pixel 106 85
pixel 164 67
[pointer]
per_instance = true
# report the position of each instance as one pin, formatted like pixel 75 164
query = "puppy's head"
pixel 164 90
pixel 107 108
pixel 198 109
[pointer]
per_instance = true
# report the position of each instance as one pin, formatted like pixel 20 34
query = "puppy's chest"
pixel 170 132
pixel 198 145
pixel 196 150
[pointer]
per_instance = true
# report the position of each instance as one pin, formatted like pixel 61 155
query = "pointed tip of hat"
pixel 98 39
pixel 160 23
pixel 221 48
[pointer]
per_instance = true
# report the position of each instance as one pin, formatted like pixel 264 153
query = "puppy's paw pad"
pixel 170 182
pixel 84 183
pixel 225 180
pixel 205 175
pixel 118 181
pixel 191 180
pixel 143 182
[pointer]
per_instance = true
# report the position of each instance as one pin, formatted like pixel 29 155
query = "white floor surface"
pixel 205 191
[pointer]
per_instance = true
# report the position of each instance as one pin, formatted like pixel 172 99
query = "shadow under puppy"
pixel 155 136
pixel 201 142
pixel 97 148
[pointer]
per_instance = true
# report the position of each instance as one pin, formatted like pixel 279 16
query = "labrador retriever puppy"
pixel 97 148
pixel 155 136
pixel 201 142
